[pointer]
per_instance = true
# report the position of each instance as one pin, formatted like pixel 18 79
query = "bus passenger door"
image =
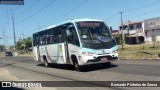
pixel 65 43
pixel 71 41
pixel 37 52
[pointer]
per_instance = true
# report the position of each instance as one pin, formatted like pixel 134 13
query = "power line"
pixel 7 22
pixel 145 13
pixel 133 9
pixel 28 8
pixel 146 6
pixel 67 13
pixel 2 24
pixel 13 10
pixel 112 16
pixel 50 3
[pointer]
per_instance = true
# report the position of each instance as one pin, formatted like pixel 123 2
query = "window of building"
pixel 139 25
pixel 131 26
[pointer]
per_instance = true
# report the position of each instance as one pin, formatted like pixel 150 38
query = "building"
pixel 152 27
pixel 142 31
pixel 133 32
pixel 115 32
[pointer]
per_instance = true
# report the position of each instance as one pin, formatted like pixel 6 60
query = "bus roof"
pixel 70 21
pixel 85 19
pixel 74 20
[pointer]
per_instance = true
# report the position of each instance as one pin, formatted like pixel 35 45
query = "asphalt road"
pixel 26 69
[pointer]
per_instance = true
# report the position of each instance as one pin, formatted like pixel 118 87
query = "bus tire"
pixel 76 66
pixel 45 61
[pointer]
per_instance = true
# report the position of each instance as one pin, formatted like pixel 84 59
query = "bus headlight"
pixel 88 53
pixel 115 51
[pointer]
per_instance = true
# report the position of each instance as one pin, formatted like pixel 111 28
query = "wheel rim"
pixel 76 66
pixel 45 63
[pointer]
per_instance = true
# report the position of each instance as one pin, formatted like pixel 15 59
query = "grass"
pixel 140 51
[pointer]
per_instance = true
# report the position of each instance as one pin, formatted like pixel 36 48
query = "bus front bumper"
pixel 101 59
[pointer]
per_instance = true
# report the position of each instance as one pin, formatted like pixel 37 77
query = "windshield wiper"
pixel 91 36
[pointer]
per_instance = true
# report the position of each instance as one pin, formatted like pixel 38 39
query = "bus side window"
pixel 72 35
pixel 41 40
pixel 76 38
pixel 69 34
pixel 44 39
pixel 35 39
pixel 60 38
pixel 57 35
pixel 49 37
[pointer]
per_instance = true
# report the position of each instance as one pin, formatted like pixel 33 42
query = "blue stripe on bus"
pixel 95 51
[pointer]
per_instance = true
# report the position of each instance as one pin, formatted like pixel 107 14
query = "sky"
pixel 36 15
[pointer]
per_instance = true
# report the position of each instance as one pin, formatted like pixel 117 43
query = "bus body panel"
pixel 35 54
pixel 53 52
pixel 75 50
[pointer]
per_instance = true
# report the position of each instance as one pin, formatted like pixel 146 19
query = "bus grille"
pixel 104 45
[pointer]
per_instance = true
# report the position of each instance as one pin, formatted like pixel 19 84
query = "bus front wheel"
pixel 77 67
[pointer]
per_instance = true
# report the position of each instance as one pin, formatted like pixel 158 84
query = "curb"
pixel 142 59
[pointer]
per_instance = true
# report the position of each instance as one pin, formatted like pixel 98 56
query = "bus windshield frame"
pixel 95 35
pixel 93 30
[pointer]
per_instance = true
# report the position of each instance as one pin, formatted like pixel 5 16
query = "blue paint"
pixel 100 39
pixel 88 50
pixel 95 51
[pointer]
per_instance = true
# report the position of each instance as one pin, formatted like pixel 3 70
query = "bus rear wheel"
pixel 45 62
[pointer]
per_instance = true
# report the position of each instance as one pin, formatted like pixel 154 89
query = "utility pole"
pixel 123 40
pixel 14 35
pixel 3 37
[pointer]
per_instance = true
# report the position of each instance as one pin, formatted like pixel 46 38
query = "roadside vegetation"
pixel 140 51
pixel 23 46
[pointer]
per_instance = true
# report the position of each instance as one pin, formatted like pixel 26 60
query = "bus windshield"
pixel 93 31
pixel 94 34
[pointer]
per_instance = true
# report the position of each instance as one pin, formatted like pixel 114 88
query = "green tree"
pixel 19 45
pixel 1 48
pixel 24 44
pixel 28 42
